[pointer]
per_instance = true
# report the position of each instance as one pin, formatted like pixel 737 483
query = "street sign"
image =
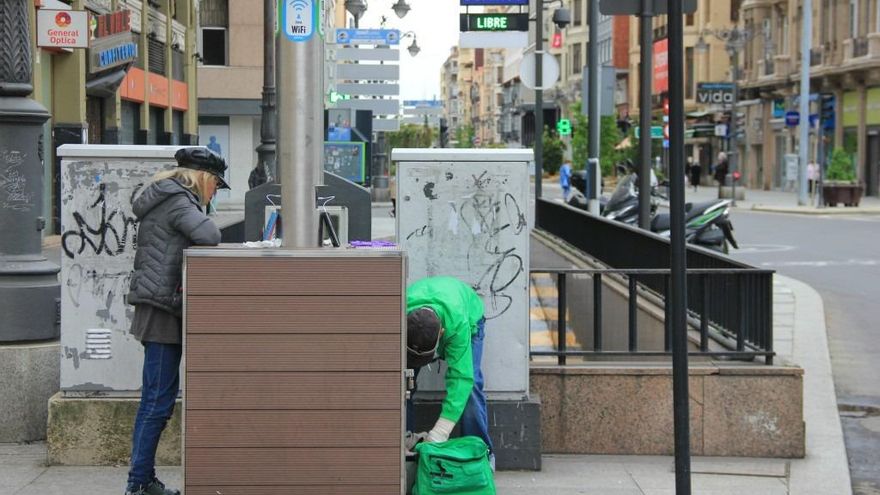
pixel 716 93
pixel 721 130
pixel 63 28
pixel 493 22
pixel 493 2
pixel 298 19
pixel 634 7
pixel 656 132
pixel 368 36
pixel 550 68
pixel 792 119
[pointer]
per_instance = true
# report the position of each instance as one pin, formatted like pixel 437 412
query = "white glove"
pixel 441 431
pixel 411 439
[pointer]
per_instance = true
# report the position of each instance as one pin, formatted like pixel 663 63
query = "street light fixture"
pixel 356 8
pixel 414 47
pixel 401 8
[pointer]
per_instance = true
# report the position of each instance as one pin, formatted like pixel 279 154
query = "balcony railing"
pixel 860 47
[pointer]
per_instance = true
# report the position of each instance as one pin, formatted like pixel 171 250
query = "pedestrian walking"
pixel 696 174
pixel 565 180
pixel 171 220
pixel 445 321
pixel 721 169
pixel 812 176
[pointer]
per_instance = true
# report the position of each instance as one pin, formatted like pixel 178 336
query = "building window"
pixel 156 56
pixel 214 48
pixel 689 20
pixel 853 18
pixel 578 13
pixel 734 10
pixel 213 39
pixel 689 73
pixel 576 62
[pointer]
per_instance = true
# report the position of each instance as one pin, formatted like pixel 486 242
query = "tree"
pixel 609 138
pixel 465 136
pixel 411 136
pixel 553 151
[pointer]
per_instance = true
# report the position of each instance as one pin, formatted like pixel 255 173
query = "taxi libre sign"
pixel 63 28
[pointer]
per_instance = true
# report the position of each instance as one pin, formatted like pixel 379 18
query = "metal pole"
pixel 734 149
pixel 678 262
pixel 269 120
pixel 594 113
pixel 29 289
pixel 645 75
pixel 539 101
pixel 301 117
pixel 806 38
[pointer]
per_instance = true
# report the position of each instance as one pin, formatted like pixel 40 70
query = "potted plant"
pixel 840 184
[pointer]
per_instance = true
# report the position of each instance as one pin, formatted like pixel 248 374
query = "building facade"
pixel 845 86
pixel 135 84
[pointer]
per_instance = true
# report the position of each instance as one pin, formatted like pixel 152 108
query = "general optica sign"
pixel 661 65
pixel 62 28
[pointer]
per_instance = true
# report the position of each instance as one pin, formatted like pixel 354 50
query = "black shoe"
pixel 155 487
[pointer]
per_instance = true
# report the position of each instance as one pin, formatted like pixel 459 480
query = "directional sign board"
pixel 368 36
pixel 634 7
pixel 298 19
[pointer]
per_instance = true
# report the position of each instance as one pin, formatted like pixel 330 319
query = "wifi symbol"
pixel 298 7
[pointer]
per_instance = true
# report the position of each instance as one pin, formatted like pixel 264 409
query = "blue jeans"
pixel 474 420
pixel 161 381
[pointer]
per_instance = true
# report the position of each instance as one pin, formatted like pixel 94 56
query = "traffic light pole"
pixel 733 152
pixel 644 166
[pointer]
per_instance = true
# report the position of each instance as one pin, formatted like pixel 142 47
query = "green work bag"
pixel 460 465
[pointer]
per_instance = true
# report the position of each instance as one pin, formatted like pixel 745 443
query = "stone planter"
pixel 850 194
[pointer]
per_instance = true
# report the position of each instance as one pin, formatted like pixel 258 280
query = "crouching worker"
pixel 445 321
pixel 171 220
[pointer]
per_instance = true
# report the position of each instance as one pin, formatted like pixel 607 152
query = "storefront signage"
pixel 62 28
pixel 111 52
pixel 792 119
pixel 493 22
pixel 716 93
pixel 661 66
pixel 112 23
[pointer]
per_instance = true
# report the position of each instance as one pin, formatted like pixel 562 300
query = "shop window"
pixel 130 122
pixel 213 45
pixel 157 124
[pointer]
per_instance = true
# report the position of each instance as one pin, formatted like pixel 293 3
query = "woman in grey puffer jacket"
pixel 171 219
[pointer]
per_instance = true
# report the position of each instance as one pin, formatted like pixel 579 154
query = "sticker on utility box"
pixel 298 19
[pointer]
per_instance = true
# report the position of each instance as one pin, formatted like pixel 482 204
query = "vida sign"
pixel 716 93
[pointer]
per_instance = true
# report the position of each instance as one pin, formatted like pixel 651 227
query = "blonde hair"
pixel 194 180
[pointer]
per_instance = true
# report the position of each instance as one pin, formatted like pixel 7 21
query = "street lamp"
pixel 735 40
pixel 401 8
pixel 413 48
pixel 356 8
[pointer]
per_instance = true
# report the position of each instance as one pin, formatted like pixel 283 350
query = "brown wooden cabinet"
pixel 293 371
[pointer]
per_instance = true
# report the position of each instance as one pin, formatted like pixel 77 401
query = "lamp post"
pixel 734 40
pixel 269 118
pixel 28 281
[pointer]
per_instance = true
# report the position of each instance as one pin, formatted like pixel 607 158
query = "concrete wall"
pixel 28 377
pixel 735 410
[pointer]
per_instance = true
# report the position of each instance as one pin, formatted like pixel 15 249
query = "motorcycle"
pixel 707 224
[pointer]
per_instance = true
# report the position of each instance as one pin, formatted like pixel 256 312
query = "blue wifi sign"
pixel 298 19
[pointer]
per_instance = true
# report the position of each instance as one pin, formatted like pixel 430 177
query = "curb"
pixel 825 468
pixel 800 210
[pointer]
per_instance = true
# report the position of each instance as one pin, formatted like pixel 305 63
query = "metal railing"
pixel 730 307
pixel 732 297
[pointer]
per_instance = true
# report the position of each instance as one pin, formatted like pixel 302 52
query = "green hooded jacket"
pixel 459 309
